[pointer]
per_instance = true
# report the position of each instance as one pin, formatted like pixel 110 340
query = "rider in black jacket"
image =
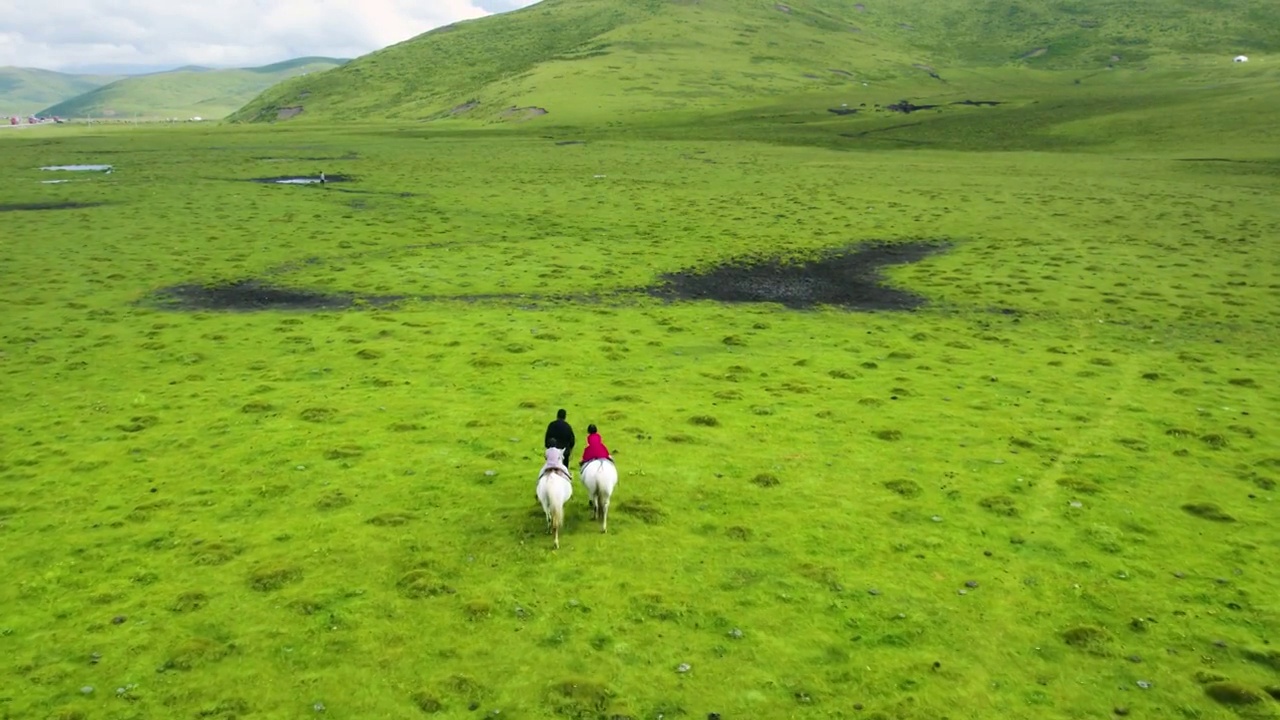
pixel 560 434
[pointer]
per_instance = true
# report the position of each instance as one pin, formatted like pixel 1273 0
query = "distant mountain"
pixel 24 91
pixel 185 92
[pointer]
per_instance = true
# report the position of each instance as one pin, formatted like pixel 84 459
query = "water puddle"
pixel 79 168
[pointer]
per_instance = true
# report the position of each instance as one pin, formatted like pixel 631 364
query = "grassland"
pixel 24 91
pixel 609 61
pixel 186 92
pixel 1047 493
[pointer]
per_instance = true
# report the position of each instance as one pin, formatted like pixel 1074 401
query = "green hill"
pixel 186 92
pixel 582 59
pixel 23 91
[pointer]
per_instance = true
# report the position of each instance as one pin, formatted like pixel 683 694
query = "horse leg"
pixel 604 515
pixel 557 519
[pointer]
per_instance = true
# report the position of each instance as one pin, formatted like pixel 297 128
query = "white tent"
pixel 1242 58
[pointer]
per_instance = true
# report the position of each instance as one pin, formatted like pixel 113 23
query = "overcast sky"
pixel 148 35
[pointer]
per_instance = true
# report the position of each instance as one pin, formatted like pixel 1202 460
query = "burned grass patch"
pixel 255 295
pixel 848 278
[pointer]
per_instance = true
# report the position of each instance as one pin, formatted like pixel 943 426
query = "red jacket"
pixel 595 449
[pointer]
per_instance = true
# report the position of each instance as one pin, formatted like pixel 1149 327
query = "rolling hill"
pixel 608 59
pixel 185 92
pixel 23 91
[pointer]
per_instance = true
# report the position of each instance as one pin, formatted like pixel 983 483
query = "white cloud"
pixel 62 34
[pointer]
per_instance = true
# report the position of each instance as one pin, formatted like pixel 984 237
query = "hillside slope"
pixel 24 91
pixel 186 92
pixel 599 58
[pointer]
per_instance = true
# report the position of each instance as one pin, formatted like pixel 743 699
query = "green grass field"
pixel 285 508
pixel 1047 493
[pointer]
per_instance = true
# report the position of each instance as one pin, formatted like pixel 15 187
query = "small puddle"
pixel 78 168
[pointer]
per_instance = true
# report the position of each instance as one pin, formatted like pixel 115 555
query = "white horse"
pixel 601 477
pixel 555 487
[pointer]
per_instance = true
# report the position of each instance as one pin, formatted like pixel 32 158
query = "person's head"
pixel 561 414
pixel 591 429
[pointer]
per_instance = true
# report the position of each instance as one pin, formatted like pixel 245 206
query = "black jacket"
pixel 560 435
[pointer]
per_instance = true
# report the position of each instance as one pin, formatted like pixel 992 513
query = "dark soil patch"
pixel 843 111
pixel 848 278
pixel 16 207
pixel 907 107
pixel 979 103
pixel 254 295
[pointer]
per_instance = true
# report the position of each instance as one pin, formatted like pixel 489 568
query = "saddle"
pixel 555 471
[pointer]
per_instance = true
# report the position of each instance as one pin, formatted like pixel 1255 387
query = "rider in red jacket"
pixel 595 447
